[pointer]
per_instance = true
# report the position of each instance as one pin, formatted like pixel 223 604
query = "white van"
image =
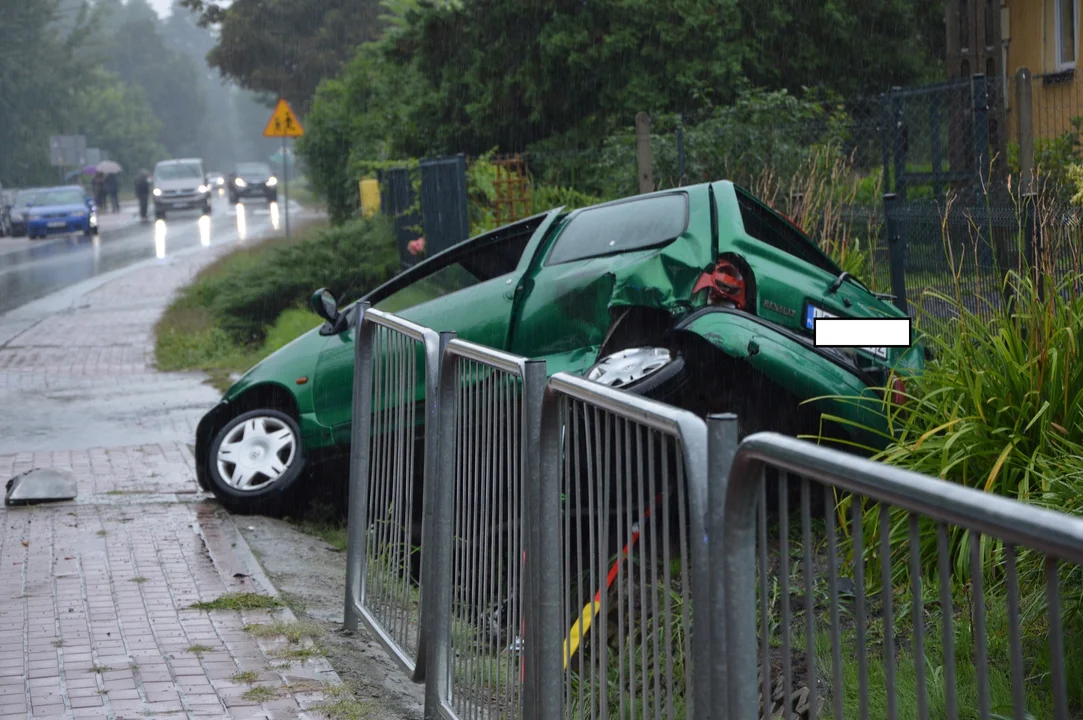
pixel 180 185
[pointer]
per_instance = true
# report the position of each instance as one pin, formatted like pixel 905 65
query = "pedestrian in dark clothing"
pixel 142 192
pixel 111 187
pixel 98 183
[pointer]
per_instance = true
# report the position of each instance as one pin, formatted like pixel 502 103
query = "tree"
pixel 116 116
pixel 285 47
pixel 138 54
pixel 37 76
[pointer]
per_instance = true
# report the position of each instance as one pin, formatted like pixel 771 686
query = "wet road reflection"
pixel 50 265
pixel 160 230
pixel 205 231
pixel 242 225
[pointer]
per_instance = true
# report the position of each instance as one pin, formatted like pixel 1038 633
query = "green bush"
pixel 547 197
pixel 349 259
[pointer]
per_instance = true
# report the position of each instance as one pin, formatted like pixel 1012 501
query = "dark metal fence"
pixel 398 200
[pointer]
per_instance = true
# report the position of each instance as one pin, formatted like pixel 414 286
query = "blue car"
pixel 61 211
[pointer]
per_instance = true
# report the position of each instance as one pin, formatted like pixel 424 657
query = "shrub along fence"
pixel 588 553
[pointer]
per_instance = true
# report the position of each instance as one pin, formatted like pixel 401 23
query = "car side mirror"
pixel 324 304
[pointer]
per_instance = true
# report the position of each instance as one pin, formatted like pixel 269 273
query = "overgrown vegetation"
pixel 254 300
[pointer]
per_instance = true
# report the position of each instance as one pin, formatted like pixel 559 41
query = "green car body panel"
pixel 560 309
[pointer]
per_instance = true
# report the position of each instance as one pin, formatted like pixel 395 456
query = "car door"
pixel 468 289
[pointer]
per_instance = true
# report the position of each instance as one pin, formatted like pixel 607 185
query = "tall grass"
pixel 1000 409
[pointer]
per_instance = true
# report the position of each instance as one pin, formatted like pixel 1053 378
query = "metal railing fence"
pixel 632 481
pixel 488 412
pixel 880 570
pixel 591 553
pixel 386 505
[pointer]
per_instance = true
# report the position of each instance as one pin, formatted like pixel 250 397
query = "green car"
pixel 701 297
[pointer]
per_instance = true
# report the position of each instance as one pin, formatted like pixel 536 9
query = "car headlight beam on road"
pixel 272 182
pixel 240 183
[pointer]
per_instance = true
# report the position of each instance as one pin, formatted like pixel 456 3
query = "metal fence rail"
pixel 391 469
pixel 488 415
pixel 632 484
pixel 891 588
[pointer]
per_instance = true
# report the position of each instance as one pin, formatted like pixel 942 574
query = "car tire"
pixel 264 436
pixel 272 198
pixel 233 199
pixel 207 209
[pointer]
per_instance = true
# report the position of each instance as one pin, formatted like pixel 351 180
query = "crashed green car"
pixel 701 297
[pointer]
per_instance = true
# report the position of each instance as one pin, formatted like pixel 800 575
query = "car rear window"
pixel 763 224
pixel 621 227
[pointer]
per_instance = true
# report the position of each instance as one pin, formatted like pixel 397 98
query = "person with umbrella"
pixel 111 170
pixel 142 191
pixel 98 184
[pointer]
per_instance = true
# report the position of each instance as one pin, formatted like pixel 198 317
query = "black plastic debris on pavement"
pixel 40 486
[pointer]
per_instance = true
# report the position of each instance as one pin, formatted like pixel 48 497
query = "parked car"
pixel 18 210
pixel 701 297
pixel 180 185
pixel 60 211
pixel 253 180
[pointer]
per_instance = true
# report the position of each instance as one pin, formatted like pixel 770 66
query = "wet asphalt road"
pixel 31 270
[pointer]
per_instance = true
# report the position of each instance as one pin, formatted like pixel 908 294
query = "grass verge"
pixel 238 601
pixel 253 301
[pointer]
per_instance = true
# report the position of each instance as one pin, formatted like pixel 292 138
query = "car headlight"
pixel 203 189
pixel 157 192
pixel 272 182
pixel 220 181
pixel 33 217
pixel 20 216
pixel 79 214
pixel 240 182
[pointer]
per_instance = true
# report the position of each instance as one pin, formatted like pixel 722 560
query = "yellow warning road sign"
pixel 283 122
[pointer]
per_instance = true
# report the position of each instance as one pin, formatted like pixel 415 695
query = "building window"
pixel 1067 19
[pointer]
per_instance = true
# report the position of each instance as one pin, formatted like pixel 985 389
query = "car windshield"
pixel 621 227
pixel 26 197
pixel 178 171
pixel 65 196
pixel 259 169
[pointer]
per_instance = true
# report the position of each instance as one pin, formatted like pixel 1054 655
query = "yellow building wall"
pixel 1030 32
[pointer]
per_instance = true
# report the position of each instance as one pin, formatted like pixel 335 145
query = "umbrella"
pixel 109 167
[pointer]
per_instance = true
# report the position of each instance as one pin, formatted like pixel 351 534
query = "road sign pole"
pixel 286 186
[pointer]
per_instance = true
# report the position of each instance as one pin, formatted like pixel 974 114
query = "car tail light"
pixel 723 284
pixel 898 395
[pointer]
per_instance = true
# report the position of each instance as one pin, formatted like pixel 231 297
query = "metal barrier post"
pixel 722 441
pixel 534 380
pixel 359 464
pixel 547 647
pixel 896 251
pixel 440 537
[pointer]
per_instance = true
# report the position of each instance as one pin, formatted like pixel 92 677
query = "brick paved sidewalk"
pixel 95 617
pixel 96 594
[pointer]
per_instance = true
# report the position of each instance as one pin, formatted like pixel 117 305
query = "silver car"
pixel 180 185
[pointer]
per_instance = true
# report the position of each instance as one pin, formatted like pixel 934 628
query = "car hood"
pixel 67 208
pixel 294 360
pixel 255 178
pixel 182 184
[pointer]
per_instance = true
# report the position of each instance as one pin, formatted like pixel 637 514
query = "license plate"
pixel 812 312
pixel 181 205
pixel 58 224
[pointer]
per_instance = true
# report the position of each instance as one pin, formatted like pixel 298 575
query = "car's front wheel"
pixel 255 461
